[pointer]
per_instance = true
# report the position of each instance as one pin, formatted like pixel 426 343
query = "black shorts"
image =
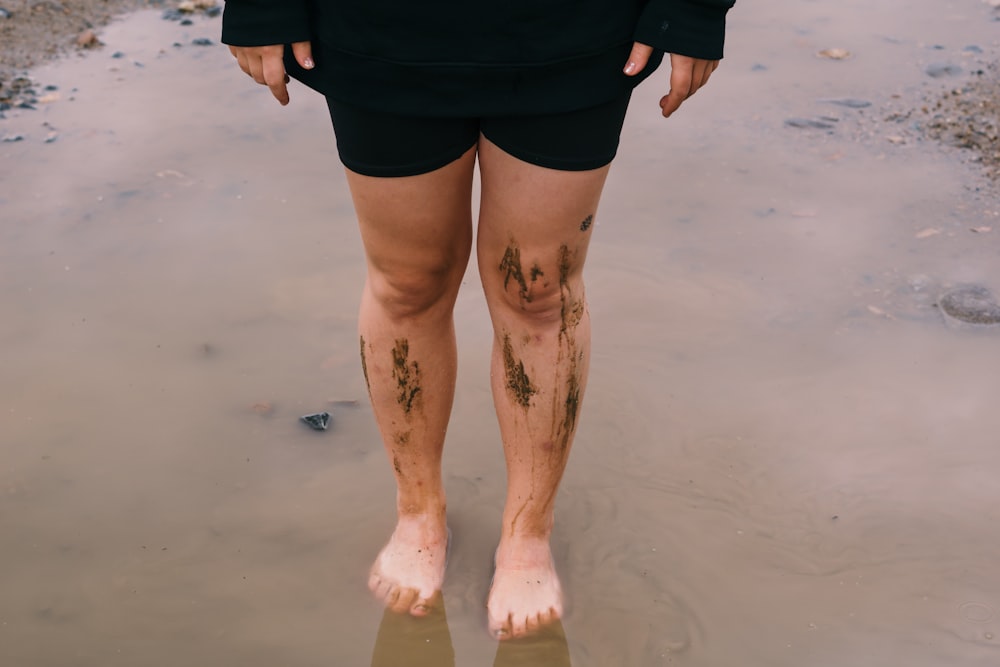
pixel 373 143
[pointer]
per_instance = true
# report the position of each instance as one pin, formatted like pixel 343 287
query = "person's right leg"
pixel 417 234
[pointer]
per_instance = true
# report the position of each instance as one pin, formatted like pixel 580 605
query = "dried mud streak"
pixel 510 266
pixel 571 312
pixel 518 383
pixel 407 376
pixel 364 367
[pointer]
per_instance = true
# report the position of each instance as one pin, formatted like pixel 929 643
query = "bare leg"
pixel 417 233
pixel 534 228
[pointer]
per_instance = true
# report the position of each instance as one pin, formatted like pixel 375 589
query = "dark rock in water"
pixel 941 70
pixel 849 102
pixel 117 54
pixel 187 22
pixel 970 305
pixel 212 12
pixel 809 123
pixel 202 41
pixel 173 15
pixel 317 422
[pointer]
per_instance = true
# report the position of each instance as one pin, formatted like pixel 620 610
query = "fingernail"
pixel 630 67
pixel 308 63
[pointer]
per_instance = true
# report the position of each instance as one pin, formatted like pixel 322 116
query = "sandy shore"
pixel 786 456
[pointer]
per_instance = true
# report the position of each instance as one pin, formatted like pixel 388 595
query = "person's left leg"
pixel 534 228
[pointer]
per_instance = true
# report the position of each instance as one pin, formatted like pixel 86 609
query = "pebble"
pixel 940 70
pixel 809 123
pixel 970 304
pixel 11 138
pixel 5 13
pixel 202 41
pixel 849 102
pixel 317 422
pixel 834 54
pixel 88 40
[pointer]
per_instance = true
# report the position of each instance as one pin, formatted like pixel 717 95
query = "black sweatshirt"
pixel 471 57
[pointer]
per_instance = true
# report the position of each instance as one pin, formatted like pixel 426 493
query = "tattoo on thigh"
pixel 587 222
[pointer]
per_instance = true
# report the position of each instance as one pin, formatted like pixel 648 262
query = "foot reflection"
pixel 408 641
pixel 547 648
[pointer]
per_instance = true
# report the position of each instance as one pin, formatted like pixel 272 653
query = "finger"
pixel 255 68
pixel 274 77
pixel 638 58
pixel 681 78
pixel 303 54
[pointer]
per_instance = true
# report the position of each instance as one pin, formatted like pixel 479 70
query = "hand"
pixel 266 66
pixel 687 75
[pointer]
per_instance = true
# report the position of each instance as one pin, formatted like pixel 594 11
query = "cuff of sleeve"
pixel 684 27
pixel 264 22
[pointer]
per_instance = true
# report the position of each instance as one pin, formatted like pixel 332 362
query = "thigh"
pixel 417 230
pixel 535 225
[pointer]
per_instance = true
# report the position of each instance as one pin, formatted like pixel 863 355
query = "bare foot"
pixel 409 571
pixel 525 594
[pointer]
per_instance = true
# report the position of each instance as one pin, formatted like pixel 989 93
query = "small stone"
pixel 849 102
pixel 970 304
pixel 317 422
pixel 212 12
pixel 5 13
pixel 834 54
pixel 51 137
pixel 186 22
pixel 758 68
pixel 972 48
pixel 895 139
pixel 941 70
pixel 88 40
pixel 172 15
pixel 11 138
pixel 187 6
pixel 117 54
pixel 809 123
pixel 202 41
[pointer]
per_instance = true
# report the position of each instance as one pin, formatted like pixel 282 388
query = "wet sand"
pixel 785 457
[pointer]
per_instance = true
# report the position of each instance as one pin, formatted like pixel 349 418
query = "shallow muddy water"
pixel 786 458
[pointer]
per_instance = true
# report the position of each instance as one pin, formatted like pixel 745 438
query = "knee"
pixel 405 294
pixel 543 304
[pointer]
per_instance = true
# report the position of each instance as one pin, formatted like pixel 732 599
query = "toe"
pixel 500 627
pixel 533 623
pixel 519 627
pixel 403 600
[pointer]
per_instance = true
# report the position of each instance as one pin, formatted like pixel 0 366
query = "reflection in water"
pixel 406 641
